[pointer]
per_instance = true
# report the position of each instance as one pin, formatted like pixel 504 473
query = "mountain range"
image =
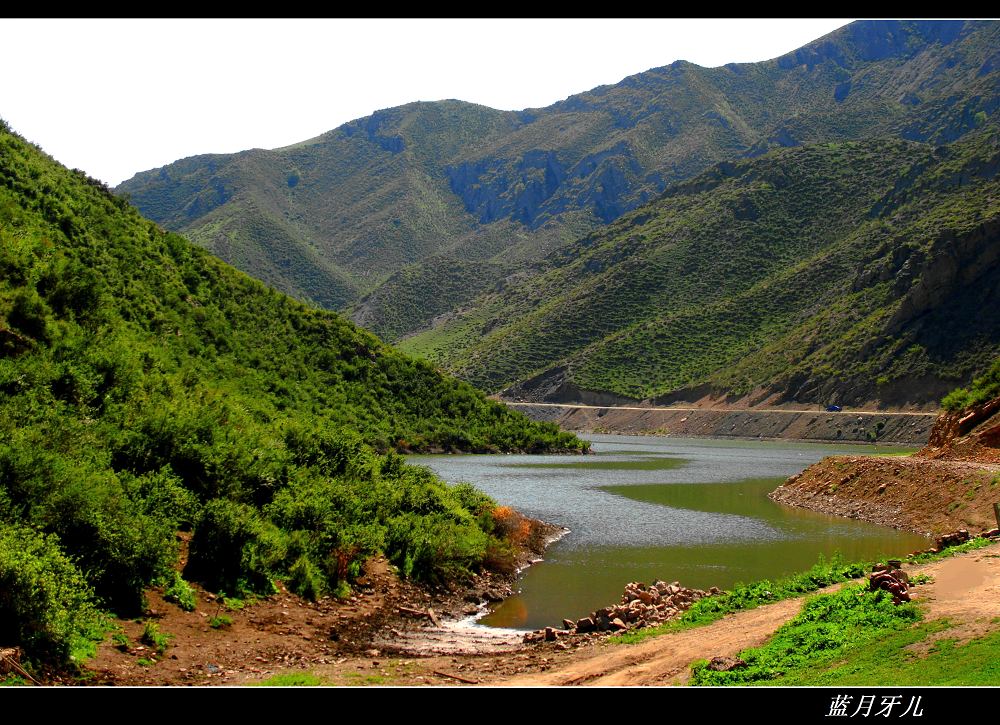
pixel 687 230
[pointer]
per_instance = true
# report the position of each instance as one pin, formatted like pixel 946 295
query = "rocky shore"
pixel 641 605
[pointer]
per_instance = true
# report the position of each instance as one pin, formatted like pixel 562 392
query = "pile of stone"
pixel 641 606
pixel 958 537
pixel 953 539
pixel 891 578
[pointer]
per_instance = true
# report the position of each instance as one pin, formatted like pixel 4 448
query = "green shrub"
pixel 982 389
pixel 122 549
pixel 434 547
pixel 164 497
pixel 153 637
pixel 305 579
pixel 234 549
pixel 221 621
pixel 181 593
pixel 46 606
pixel 121 641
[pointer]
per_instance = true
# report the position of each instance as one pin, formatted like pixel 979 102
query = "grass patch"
pixel 829 628
pixel 970 545
pixel 180 593
pixel 121 641
pixel 220 622
pixel 153 637
pixel 889 660
pixel 292 679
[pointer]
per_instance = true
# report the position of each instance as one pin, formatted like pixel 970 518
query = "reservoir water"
pixel 645 508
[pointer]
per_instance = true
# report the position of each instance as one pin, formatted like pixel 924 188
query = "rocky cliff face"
pixel 970 434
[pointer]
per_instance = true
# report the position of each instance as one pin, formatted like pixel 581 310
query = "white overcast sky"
pixel 114 97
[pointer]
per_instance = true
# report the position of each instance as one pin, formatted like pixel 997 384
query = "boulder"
pixel 725 664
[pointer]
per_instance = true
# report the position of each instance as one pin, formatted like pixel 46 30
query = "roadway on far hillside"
pixel 795 411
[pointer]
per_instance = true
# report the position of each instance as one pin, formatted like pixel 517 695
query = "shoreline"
pixel 894 428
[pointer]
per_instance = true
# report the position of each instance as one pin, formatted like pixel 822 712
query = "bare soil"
pixel 952 483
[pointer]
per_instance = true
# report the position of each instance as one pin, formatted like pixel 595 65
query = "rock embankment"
pixel 640 606
pixel 847 427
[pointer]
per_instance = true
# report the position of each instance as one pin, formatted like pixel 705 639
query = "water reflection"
pixel 694 510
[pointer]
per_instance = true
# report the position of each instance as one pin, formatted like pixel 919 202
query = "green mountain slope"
pixel 389 214
pixel 145 386
pixel 853 272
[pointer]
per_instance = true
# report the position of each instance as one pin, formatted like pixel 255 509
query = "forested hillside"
pixel 843 272
pixel 146 388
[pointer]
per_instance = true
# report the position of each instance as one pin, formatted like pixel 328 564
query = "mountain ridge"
pixel 450 171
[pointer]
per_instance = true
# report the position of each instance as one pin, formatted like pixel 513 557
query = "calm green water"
pixel 644 508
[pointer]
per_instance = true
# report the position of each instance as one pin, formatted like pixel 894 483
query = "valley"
pixel 414 401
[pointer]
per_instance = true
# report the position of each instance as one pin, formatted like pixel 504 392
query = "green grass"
pixel 153 637
pixel 121 641
pixel 292 679
pixel 982 389
pixel 970 545
pixel 181 593
pixel 887 661
pixel 220 622
pixel 830 628
pixel 366 679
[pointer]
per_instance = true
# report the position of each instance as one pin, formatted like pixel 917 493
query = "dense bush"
pixel 46 605
pixel 434 547
pixel 234 549
pixel 146 387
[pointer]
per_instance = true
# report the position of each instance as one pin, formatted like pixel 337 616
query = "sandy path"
pixel 666 658
pixel 965 589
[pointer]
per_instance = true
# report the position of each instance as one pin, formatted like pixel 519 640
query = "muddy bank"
pixel 227 643
pixel 919 495
pixel 952 483
pixel 902 428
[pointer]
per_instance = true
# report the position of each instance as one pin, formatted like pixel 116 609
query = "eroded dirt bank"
pixel 224 642
pixel 951 483
pixel 903 428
